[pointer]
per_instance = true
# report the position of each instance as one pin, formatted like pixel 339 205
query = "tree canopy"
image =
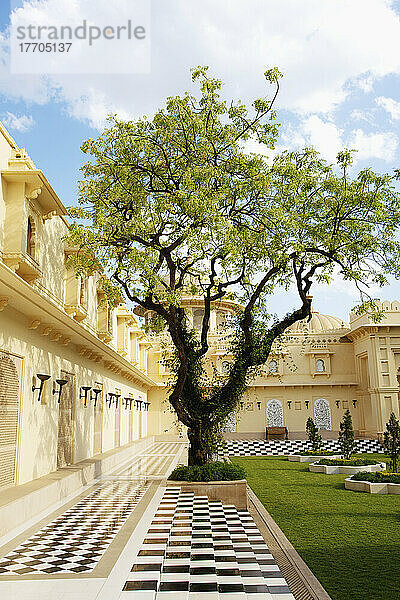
pixel 176 204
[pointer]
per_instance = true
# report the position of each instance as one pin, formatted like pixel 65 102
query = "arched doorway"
pixel 274 413
pixel 322 414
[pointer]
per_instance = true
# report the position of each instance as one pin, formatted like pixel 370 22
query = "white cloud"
pixel 374 145
pixel 390 105
pixel 325 136
pixel 361 115
pixel 20 123
pixel 314 43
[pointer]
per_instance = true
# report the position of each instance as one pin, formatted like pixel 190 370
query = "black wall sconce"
pixel 289 403
pixel 42 378
pixel 338 403
pixel 84 394
pixel 355 403
pixel 146 405
pixel 96 393
pixel 61 383
pixel 113 397
pixel 259 405
pixel 241 405
pixel 307 402
pixel 139 404
pixel 127 401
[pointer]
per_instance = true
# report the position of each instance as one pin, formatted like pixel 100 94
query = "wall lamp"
pixel 61 383
pixel 113 397
pixel 355 403
pixel 307 402
pixel 146 405
pixel 96 393
pixel 129 401
pixel 84 394
pixel 337 403
pixel 259 405
pixel 42 379
pixel 289 403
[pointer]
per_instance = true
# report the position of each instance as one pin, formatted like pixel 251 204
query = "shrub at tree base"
pixel 351 462
pixel 379 477
pixel 214 471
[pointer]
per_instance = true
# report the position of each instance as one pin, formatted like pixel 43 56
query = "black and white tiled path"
pixel 198 549
pixel 285 447
pixel 75 541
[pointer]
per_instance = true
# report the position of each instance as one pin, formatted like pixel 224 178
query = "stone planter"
pixel 372 488
pixel 228 492
pixel 310 457
pixel 345 470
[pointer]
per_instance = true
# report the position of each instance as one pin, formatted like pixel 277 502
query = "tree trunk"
pixel 197 452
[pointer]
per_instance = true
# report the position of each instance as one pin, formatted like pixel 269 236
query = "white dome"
pixel 318 323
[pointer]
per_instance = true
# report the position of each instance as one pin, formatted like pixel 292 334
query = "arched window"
pixel 198 315
pixel 320 366
pixel 274 413
pixel 273 366
pixel 221 318
pixel 30 237
pixel 322 414
pixel 230 423
pixel 225 367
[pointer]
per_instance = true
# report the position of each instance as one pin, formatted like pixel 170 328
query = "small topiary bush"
pixel 347 441
pixel 351 462
pixel 380 477
pixel 214 471
pixel 313 435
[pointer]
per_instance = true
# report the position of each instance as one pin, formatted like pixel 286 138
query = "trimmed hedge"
pixel 351 462
pixel 379 477
pixel 214 471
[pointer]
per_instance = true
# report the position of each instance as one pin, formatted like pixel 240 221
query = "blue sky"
pixel 340 58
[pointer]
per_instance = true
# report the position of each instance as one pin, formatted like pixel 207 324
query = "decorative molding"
pixel 49 215
pixel 46 330
pixel 34 324
pixel 4 300
pixel 32 193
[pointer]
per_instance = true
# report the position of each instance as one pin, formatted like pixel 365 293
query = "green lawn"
pixel 350 540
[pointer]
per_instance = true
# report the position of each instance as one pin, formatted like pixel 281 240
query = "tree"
pixel 313 435
pixel 346 435
pixel 391 441
pixel 175 205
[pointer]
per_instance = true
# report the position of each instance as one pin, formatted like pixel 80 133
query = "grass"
pixel 350 540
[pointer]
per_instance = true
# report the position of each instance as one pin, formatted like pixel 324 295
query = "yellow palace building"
pixel 82 385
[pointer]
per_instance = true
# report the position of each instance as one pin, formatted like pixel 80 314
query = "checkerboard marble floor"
pixel 154 462
pixel 198 549
pixel 285 447
pixel 75 541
